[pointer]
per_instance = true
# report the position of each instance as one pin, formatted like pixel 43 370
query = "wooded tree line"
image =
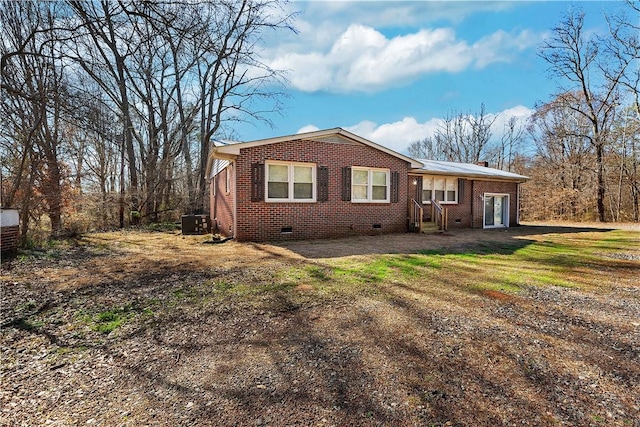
pixel 109 107
pixel 586 140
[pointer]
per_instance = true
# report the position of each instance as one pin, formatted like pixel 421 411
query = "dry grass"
pixel 534 325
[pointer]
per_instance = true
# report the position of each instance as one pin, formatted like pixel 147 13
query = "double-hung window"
pixel 290 182
pixel 442 189
pixel 369 185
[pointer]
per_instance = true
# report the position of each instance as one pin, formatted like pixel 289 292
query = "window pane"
pixel 359 192
pixel 360 177
pixel 488 210
pixel 427 183
pixel 302 174
pixel 426 195
pixel 452 184
pixel 302 191
pixel 278 173
pixel 438 183
pixel 439 195
pixel 379 178
pixel 379 192
pixel 278 190
pixel 451 196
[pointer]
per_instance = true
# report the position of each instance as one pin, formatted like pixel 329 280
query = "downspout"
pixel 213 203
pixel 518 204
pixel 234 170
pixel 473 202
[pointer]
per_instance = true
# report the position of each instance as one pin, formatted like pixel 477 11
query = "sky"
pixel 390 71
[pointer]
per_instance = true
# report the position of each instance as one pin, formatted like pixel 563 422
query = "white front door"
pixel 496 210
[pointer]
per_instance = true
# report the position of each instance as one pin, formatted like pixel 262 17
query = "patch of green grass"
pixel 180 293
pixel 63 351
pixel 501 286
pixel 223 286
pixel 26 306
pixel 318 273
pixel 109 320
pixel 554 260
pixel 27 324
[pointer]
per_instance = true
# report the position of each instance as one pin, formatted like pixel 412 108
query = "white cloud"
pixel 397 135
pixel 400 134
pixel 519 112
pixel 363 59
pixel 308 128
pixel 500 46
pixel 393 13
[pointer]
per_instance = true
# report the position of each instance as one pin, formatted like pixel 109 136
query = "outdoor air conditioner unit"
pixel 196 224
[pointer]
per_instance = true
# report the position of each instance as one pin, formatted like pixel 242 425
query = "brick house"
pixel 333 183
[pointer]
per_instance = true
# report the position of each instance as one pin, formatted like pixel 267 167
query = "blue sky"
pixel 391 70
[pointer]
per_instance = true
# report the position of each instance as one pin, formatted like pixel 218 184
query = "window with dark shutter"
pixel 257 182
pixel 395 186
pixel 346 183
pixel 461 190
pixel 323 184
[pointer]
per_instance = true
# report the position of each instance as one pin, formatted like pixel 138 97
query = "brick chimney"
pixel 483 164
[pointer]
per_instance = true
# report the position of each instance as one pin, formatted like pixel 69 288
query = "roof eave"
pixel 228 152
pixel 234 149
pixel 519 179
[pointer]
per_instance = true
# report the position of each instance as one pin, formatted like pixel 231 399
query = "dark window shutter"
pixel 346 183
pixel 322 181
pixel 395 186
pixel 419 188
pixel 461 190
pixel 257 182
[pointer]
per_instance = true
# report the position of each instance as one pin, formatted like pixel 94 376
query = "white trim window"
pixel 443 189
pixel 370 185
pixel 290 182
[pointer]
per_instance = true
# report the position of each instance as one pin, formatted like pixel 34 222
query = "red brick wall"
pixel 482 187
pixel 460 214
pixel 260 221
pixel 9 237
pixel 221 210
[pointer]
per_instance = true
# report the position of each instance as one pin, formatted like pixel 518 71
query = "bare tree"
pixel 427 148
pixel 35 104
pixel 623 50
pixel 459 138
pixel 165 64
pixel 624 165
pixel 579 65
pixel 564 162
pixel 233 81
pixel 102 49
pixel 512 138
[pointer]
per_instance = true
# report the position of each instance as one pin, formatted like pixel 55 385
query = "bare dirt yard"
pixel 535 325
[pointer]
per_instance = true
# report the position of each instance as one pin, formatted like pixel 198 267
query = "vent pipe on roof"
pixel 483 164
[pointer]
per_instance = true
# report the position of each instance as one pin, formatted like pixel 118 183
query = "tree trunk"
pixel 601 182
